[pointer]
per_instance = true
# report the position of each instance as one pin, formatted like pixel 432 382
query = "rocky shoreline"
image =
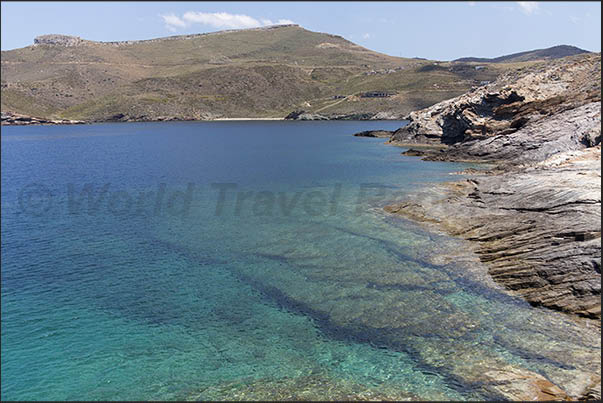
pixel 303 115
pixel 534 217
pixel 537 229
pixel 14 119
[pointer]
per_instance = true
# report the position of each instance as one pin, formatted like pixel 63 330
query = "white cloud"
pixel 574 19
pixel 471 3
pixel 221 20
pixel 528 7
pixel 217 20
pixel 366 36
pixel 172 22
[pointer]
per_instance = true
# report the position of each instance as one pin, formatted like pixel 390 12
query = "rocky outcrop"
pixel 59 40
pixel 592 392
pixel 536 217
pixel 538 229
pixel 511 118
pixel 572 129
pixel 387 115
pixel 375 133
pixel 13 119
pixel 303 115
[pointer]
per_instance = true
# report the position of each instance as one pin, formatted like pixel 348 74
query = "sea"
pixel 246 260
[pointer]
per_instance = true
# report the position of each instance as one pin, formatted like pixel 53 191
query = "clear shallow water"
pixel 246 259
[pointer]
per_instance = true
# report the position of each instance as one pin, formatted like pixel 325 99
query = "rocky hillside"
pixel 263 72
pixel 535 218
pixel 555 52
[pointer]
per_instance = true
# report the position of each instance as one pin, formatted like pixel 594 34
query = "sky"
pixel 432 30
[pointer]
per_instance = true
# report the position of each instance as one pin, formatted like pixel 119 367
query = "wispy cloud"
pixel 366 36
pixel 528 7
pixel 471 3
pixel 217 20
pixel 173 22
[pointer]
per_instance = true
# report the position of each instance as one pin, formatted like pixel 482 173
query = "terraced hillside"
pixel 263 72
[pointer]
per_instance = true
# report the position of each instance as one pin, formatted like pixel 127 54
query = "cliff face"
pixel 535 219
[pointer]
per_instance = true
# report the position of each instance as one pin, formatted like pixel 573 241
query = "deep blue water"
pixel 242 259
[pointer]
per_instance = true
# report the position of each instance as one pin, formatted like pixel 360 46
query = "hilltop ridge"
pixel 265 72
pixel 555 52
pixel 70 40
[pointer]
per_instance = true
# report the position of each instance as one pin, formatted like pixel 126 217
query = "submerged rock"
pixel 302 388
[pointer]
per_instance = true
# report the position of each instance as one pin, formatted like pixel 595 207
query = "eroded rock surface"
pixel 517 103
pixel 536 217
pixel 538 228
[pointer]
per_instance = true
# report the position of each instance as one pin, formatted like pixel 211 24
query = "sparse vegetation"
pixel 246 73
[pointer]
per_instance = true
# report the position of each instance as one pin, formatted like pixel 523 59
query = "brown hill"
pixel 262 72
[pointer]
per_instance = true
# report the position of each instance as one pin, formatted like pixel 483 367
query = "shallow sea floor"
pixel 246 260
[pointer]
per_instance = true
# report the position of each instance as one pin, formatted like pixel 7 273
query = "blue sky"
pixel 434 30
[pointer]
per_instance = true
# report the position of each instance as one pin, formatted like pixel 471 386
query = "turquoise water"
pixel 244 260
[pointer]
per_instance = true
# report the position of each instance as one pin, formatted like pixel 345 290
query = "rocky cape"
pixel 303 115
pixel 536 216
pixel 15 119
pixel 533 215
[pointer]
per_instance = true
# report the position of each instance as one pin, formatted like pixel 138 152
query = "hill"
pixel 555 52
pixel 260 72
